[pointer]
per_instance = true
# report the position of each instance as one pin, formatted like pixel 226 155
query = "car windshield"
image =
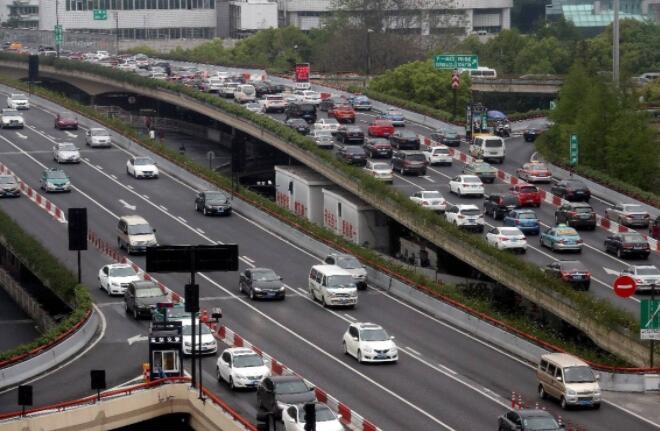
pixel 633 208
pixel 374 335
pixel 471 212
pixel 572 266
pixel 574 184
pixel 122 271
pixel 57 175
pixel 579 374
pixel 67 147
pixel 509 231
pixel 216 197
pixel 336 281
pixel 432 195
pixel 355 150
pixel 323 414
pixel 649 270
pixel 99 132
pixel 381 167
pixel 582 210
pixel 7 180
pixel 538 167
pixel 9 112
pixel 247 90
pixel 246 361
pixel 471 180
pixel 493 143
pixel 528 189
pixel 291 387
pixel 566 231
pixel 140 229
pixel 540 423
pixel 18 96
pixel 187 330
pixel 632 237
pixel 176 312
pixel 323 133
pixel 265 275
pixel 348 262
pixel 527 216
pixel 481 166
pixel 416 157
pixel 407 134
pixel 142 161
pixel 148 292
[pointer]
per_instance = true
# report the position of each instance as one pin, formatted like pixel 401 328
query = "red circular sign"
pixel 624 286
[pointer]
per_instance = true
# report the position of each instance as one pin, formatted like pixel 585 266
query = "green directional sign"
pixel 456 61
pixel 649 319
pixel 573 150
pixel 100 14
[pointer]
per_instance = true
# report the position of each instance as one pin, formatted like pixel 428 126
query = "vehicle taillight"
pixel 579 241
pixel 517 222
pixel 587 274
pixel 626 245
pixel 460 216
pixel 565 275
pixel 572 213
pixel 425 202
pixel 503 238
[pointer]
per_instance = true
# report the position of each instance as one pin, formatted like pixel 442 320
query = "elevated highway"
pixel 517 85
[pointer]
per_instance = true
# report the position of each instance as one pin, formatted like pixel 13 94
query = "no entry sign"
pixel 624 286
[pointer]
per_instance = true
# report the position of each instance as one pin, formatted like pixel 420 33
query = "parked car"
pixel 631 215
pixel 409 162
pixel 404 140
pixel 18 101
pixel 395 117
pixel 528 420
pixel 276 393
pixel 299 125
pixel 66 152
pixel 531 134
pixel 55 180
pixel 97 137
pixel 523 219
pixel 380 170
pixel 142 167
pixel 561 238
pixel 380 128
pixel 293 418
pixel 9 186
pixel 210 202
pixel 430 199
pixel 141 297
pixel 534 172
pixel 446 137
pixel 350 264
pixel 437 155
pixel 114 278
pixel 350 135
pixel 628 244
pixel 497 205
pixel 645 276
pixel 527 194
pixel 571 271
pixel 463 185
pixel 465 216
pixel 378 147
pixel 352 154
pixel 241 367
pixel 342 113
pixel 368 342
pixel 305 111
pixel 483 170
pixel 11 119
pixel 576 214
pixel 261 283
pixel 507 238
pixel 329 124
pixel 571 190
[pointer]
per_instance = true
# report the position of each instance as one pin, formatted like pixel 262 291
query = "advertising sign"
pixel 302 72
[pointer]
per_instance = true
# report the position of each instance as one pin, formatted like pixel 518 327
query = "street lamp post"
pixel 368 65
pixel 615 44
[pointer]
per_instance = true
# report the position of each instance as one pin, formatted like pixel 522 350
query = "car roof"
pixel 143 284
pixel 534 413
pixel 287 378
pixel 240 351
pixel 466 207
pixel 366 325
pixel 564 359
pixel 134 219
pixel 119 265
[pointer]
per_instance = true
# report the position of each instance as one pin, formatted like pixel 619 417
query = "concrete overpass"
pixel 517 85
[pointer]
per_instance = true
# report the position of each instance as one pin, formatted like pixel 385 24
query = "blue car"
pixel 395 117
pixel 360 103
pixel 561 238
pixel 525 220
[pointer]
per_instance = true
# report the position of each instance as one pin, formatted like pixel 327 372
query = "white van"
pixel 332 285
pixel 245 93
pixel 488 147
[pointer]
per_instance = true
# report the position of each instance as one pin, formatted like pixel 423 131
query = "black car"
pixel 350 135
pixel 211 202
pixel 530 135
pixel 306 111
pixel 571 271
pixel 261 88
pixel 628 244
pixel 497 205
pixel 274 391
pixel 577 215
pixel 142 297
pixel 409 162
pixel 446 137
pixel 528 420
pixel 277 88
pixel 329 103
pixel 299 125
pixel 378 147
pixel 261 283
pixel 351 154
pixel 403 139
pixel 571 190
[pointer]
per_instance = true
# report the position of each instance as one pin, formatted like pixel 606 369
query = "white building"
pixel 133 19
pixel 299 189
pixel 249 16
pixel 432 17
pixel 19 13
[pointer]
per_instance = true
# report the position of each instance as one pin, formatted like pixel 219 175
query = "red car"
pixel 534 172
pixel 66 121
pixel 527 194
pixel 381 128
pixel 342 113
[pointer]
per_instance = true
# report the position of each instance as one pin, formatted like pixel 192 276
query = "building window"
pixel 165 361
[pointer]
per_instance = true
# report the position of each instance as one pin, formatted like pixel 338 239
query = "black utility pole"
pixel 57 25
pixel 652 340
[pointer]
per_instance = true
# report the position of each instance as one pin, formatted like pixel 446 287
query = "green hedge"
pixel 601 311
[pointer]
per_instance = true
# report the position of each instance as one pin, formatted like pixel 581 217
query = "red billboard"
pixel 302 72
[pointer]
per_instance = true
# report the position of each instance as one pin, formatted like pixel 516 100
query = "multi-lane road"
pixel 445 379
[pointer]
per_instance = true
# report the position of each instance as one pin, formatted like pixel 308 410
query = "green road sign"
pixel 649 319
pixel 100 14
pixel 553 105
pixel 452 61
pixel 58 34
pixel 573 150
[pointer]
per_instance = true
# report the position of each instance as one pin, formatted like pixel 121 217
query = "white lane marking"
pixel 145 196
pixel 113 176
pixel 182 219
pixel 129 186
pixel 163 207
pixel 609 271
pixel 415 352
pixel 248 259
pixel 136 339
pixel 71 135
pixel 429 179
pixel 450 371
pixel 201 231
pixel 20 135
pixel 99 167
pixel 127 205
pixel 302 291
pixel 349 317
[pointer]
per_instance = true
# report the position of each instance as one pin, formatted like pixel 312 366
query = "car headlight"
pixel 256 289
pixel 571 392
pixel 281 289
pixel 187 343
pixel 368 349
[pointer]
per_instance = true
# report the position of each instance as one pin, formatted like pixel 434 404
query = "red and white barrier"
pixel 349 417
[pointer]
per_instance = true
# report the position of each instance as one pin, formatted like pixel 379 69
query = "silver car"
pixel 645 276
pixel 66 152
pixel 98 137
pixel 631 215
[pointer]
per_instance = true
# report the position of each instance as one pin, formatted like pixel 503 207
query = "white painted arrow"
pixel 71 135
pixel 611 271
pixel 127 205
pixel 20 135
pixel 136 339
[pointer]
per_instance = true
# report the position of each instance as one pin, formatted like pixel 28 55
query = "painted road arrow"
pixel 127 205
pixel 136 339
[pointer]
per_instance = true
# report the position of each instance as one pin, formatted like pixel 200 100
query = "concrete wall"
pixel 28 304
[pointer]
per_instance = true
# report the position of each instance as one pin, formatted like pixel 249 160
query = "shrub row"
pixel 601 311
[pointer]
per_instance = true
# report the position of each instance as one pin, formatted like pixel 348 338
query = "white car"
pixel 254 107
pixel 115 277
pixel 507 238
pixel 466 216
pixel 644 275
pixel 11 118
pixel 241 368
pixel 97 137
pixel 329 124
pixel 274 103
pixel 466 185
pixel 293 418
pixel 368 342
pixel 66 152
pixel 430 199
pixel 209 344
pixel 380 170
pixel 308 96
pixel 141 167
pixel 102 55
pixel 18 101
pixel 130 66
pixel 438 155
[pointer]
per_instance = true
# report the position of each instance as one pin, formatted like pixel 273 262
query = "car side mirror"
pixel 597 377
pixel 355 338
pixel 392 337
pixel 559 379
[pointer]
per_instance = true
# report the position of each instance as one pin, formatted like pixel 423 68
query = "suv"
pixel 571 190
pixel 350 264
pixel 409 161
pixel 141 298
pixel 275 393
pixel 404 140
pixel 306 111
pixel 497 205
pixel 576 214
pixel 135 234
pixel 465 216
pixel 274 103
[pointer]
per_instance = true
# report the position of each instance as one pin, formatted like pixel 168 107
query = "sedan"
pixel 645 276
pixel 368 342
pixel 299 125
pixel 209 345
pixel 66 121
pixel 507 238
pixel 352 154
pixel 212 202
pixel 329 124
pixel 534 172
pixel 525 220
pixel 55 180
pixel 627 244
pixel 294 418
pixel 571 190
pixel 430 199
pixel 241 367
pixel 528 420
pixel 571 271
pixel 631 215
pixel 561 238
pixel 98 137
pixel 466 185
pixel 115 278
pixel 483 170
pixel 380 128
pixel 527 194
pixel 9 186
pixel 350 135
pixel 142 167
pixel 261 283
pixel 66 152
pixel 378 147
pixel 437 155
pixel 342 113
pixel 395 117
pixel 446 137
pixel 530 135
pixel 380 170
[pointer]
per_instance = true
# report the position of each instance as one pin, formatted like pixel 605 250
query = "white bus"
pixel 481 72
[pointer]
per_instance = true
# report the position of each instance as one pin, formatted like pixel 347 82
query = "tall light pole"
pixel 615 44
pixel 57 25
pixel 368 68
